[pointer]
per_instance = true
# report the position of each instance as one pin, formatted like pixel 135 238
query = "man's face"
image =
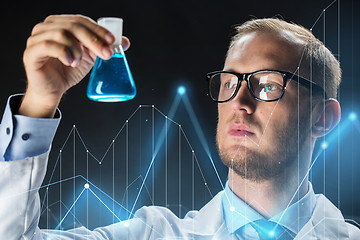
pixel 260 140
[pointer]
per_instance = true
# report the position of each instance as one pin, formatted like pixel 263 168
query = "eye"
pixel 268 82
pixel 270 87
pixel 230 84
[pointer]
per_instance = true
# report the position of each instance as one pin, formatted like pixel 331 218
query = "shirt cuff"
pixel 22 136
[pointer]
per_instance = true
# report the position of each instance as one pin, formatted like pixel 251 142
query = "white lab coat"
pixel 20 211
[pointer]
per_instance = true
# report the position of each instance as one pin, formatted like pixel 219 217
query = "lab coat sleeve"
pixel 19 198
pixel 138 228
pixel 354 232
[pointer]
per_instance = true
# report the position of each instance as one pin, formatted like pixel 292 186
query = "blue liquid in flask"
pixel 111 80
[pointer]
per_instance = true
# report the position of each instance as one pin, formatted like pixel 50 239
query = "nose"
pixel 244 101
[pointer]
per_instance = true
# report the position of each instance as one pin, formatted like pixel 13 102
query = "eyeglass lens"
pixel 264 85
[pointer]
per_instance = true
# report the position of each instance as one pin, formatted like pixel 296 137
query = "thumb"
pixel 125 43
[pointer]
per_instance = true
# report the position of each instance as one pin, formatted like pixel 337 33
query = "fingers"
pixel 49 49
pixel 66 36
pixel 90 24
pixel 63 39
pixel 87 22
pixel 97 39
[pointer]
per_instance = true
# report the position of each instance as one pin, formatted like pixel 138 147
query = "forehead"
pixel 256 51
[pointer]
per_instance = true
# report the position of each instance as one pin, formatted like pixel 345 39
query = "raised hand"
pixel 58 55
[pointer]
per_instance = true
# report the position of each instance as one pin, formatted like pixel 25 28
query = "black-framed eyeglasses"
pixel 264 85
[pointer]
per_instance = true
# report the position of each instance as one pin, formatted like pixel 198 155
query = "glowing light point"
pixel 181 90
pixel 352 116
pixel 74 126
pixel 100 163
pixel 86 185
pixel 232 208
pixel 324 145
pixel 271 233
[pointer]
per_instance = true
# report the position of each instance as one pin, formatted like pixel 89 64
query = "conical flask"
pixel 111 80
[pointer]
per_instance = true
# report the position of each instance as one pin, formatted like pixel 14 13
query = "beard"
pixel 268 163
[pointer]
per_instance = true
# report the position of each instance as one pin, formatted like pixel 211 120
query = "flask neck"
pixel 116 48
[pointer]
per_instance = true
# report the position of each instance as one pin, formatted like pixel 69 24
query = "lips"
pixel 240 130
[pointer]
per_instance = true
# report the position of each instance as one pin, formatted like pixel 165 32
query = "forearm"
pixel 35 106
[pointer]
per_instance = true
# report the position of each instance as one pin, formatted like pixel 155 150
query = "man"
pixel 270 116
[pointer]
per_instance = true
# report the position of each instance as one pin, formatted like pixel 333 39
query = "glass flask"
pixel 111 80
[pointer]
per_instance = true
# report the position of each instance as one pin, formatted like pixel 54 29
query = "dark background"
pixel 174 43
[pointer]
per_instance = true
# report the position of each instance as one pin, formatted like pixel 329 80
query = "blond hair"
pixel 317 60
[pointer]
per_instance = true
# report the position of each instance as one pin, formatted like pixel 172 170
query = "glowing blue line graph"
pixel 348 121
pixel 200 134
pixel 58 226
pixel 86 187
pixel 74 132
pixel 104 204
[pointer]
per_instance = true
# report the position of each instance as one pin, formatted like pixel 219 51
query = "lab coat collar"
pixel 209 221
pixel 326 222
pixel 299 213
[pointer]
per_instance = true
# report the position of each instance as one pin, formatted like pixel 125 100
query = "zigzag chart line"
pixel 74 132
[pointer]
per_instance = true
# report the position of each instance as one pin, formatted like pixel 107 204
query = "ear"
pixel 329 116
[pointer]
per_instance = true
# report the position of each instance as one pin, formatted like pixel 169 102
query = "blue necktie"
pixel 269 230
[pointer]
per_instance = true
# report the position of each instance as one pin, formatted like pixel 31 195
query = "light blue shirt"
pixel 23 137
pixel 238 214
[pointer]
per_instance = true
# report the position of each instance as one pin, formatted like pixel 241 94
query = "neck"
pixel 270 197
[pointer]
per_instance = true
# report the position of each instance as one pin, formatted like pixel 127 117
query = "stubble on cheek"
pixel 277 150
pixel 256 163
